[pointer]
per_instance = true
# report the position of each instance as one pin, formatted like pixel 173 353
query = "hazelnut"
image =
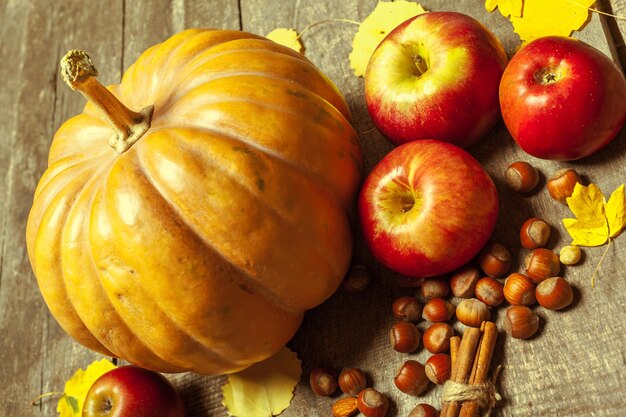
pixel 438 368
pixel 424 410
pixel 357 279
pixel 522 177
pixel 554 293
pixel 404 337
pixel 534 233
pixel 352 381
pixel 437 310
pixel 495 259
pixel 519 290
pixel 435 288
pixel 561 184
pixel 411 378
pixel 462 281
pixel 489 291
pixel 472 312
pixel 520 322
pixel 407 308
pixel 372 403
pixel 541 264
pixel 570 255
pixel 436 338
pixel 323 381
pixel 345 407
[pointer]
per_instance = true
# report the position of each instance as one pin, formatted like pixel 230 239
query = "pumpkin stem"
pixel 78 72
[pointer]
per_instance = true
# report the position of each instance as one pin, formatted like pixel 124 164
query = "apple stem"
pixel 37 400
pixel 547 76
pixel 420 64
pixel 79 73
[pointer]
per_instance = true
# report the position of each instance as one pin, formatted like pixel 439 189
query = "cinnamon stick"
pixel 455 342
pixel 461 371
pixel 481 366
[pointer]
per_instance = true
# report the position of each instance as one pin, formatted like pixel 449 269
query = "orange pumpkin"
pixel 221 217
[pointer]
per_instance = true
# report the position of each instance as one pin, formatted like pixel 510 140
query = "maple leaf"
pixel 286 37
pixel 596 219
pixel 76 388
pixel 385 17
pixel 615 211
pixel 590 227
pixel 264 389
pixel 536 18
pixel 507 7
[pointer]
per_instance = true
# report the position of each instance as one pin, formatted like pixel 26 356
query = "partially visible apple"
pixel 436 76
pixel 130 391
pixel 562 99
pixel 427 208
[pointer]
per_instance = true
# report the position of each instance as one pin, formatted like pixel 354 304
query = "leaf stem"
pixel 37 400
pixel 312 25
pixel 595 271
pixel 607 14
pixel 594 10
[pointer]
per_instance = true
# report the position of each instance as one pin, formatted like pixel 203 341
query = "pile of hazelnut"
pixel 480 288
pixel 359 397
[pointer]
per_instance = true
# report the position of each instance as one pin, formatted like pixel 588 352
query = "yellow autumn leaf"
pixel 265 389
pixel 616 212
pixel 76 388
pixel 286 37
pixel 555 17
pixel 385 17
pixel 507 7
pixel 590 228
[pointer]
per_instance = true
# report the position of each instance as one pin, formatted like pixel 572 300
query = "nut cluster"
pixel 353 383
pixel 539 282
pixel 481 288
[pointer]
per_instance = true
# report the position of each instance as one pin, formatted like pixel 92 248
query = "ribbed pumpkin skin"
pixel 201 246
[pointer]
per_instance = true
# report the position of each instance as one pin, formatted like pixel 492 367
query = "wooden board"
pixel 575 367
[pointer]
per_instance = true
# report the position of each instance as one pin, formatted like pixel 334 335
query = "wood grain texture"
pixel 616 27
pixel 574 367
pixel 36 355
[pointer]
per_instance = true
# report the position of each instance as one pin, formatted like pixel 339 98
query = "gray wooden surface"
pixel 574 367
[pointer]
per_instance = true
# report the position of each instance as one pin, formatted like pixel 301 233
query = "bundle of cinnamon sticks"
pixel 471 359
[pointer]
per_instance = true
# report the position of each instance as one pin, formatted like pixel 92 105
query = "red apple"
pixel 427 208
pixel 436 76
pixel 130 391
pixel 562 99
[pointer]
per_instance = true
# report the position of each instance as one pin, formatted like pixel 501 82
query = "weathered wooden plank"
pixel 36 355
pixel 148 23
pixel 616 27
pixel 20 306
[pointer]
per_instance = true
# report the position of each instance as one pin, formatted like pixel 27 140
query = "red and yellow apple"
pixel 436 76
pixel 427 208
pixel 562 99
pixel 130 391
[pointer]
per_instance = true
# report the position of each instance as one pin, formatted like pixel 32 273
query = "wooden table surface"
pixel 575 367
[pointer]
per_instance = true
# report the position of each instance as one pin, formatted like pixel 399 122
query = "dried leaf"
pixel 616 212
pixel 556 17
pixel 76 388
pixel 286 37
pixel 385 17
pixel 590 228
pixel 264 389
pixel 507 7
